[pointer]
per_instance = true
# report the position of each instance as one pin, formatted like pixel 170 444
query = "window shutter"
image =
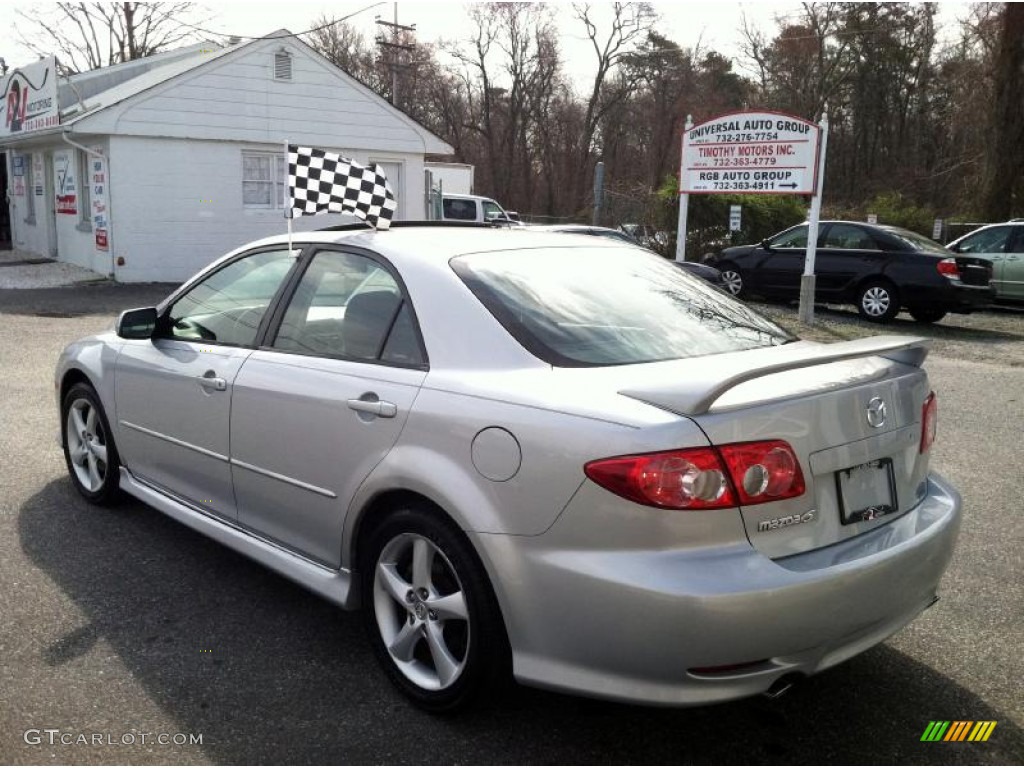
pixel 282 65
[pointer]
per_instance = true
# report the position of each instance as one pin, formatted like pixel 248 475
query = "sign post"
pixel 684 198
pixel 807 280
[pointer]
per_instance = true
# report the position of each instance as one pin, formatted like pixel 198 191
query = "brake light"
pixel 703 478
pixel 948 268
pixel 764 471
pixel 929 421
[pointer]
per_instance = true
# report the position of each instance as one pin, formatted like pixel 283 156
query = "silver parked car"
pixel 522 452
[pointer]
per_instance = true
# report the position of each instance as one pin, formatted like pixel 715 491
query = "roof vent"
pixel 282 65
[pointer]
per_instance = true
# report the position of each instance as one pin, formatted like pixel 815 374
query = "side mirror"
pixel 953 248
pixel 136 323
pixel 766 245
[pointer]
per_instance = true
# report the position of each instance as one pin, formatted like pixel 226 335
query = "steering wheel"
pixel 190 327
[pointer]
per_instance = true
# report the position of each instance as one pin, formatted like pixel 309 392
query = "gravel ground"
pixel 995 335
pixel 21 270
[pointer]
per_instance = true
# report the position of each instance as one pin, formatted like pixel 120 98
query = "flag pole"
pixel 288 200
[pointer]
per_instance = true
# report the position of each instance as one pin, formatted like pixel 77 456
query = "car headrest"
pixel 368 317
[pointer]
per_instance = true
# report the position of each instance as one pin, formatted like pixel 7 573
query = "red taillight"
pixel 949 268
pixel 703 478
pixel 687 479
pixel 764 471
pixel 929 419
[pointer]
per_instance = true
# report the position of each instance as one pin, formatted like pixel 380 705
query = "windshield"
pixel 917 242
pixel 578 307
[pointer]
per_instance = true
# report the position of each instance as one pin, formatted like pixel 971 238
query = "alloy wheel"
pixel 87 444
pixel 421 611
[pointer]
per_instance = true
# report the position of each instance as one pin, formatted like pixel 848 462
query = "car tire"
pixel 928 315
pixel 89 450
pixel 878 301
pixel 732 280
pixel 439 650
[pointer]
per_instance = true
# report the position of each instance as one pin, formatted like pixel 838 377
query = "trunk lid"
pixel 852 414
pixel 974 271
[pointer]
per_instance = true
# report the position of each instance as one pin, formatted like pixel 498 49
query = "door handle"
pixel 211 380
pixel 381 408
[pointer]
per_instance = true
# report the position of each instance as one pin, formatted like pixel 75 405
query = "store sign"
pixel 29 98
pixel 735 218
pixel 98 180
pixel 18 174
pixel 751 152
pixel 37 174
pixel 64 183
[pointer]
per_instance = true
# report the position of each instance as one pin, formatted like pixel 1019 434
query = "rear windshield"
pixel 917 242
pixel 578 307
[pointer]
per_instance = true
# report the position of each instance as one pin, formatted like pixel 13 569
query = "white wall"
pixel 175 205
pixel 236 97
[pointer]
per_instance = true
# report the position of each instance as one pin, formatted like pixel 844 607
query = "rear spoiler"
pixel 715 377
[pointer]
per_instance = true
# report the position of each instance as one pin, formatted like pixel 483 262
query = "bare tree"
pixel 87 36
pixel 1006 147
pixel 628 27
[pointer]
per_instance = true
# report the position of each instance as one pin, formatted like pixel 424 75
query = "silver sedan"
pixel 524 453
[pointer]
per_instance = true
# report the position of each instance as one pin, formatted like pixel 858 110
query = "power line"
pixel 330 23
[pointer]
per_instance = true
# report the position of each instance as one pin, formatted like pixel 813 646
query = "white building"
pixel 182 153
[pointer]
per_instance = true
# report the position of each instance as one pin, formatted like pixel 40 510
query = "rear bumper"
pixel 953 297
pixel 632 624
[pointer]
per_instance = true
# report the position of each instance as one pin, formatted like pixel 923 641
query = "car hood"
pixel 736 250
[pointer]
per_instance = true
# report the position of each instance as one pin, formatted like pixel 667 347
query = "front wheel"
pixel 927 315
pixel 732 280
pixel 89 450
pixel 430 612
pixel 878 301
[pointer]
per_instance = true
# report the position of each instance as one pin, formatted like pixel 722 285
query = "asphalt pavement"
pixel 118 623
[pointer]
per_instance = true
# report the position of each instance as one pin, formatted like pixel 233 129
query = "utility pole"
pixel 395 47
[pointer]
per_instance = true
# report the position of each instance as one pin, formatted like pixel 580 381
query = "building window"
pixel 84 192
pixel 282 65
pixel 263 180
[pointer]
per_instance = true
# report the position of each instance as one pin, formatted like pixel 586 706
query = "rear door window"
pixel 349 306
pixel 849 237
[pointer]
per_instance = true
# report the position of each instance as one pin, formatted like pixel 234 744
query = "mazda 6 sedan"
pixel 525 454
pixel 878 268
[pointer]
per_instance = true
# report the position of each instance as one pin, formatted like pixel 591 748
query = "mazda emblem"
pixel 876 412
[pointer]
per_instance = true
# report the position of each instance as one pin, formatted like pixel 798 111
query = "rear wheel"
pixel 430 612
pixel 732 280
pixel 928 315
pixel 89 450
pixel 878 301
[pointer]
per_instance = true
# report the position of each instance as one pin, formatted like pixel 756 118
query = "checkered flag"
pixel 320 182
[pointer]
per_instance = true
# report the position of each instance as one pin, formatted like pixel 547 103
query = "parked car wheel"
pixel 89 448
pixel 430 611
pixel 732 280
pixel 928 315
pixel 878 301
